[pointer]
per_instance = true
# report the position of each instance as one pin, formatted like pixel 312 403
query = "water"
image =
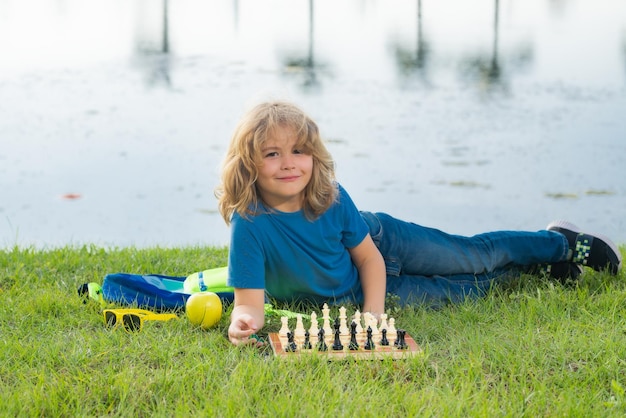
pixel 465 116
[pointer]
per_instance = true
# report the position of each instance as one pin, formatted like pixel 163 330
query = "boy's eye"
pixel 271 154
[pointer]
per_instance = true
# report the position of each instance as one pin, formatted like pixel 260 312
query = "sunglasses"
pixel 132 319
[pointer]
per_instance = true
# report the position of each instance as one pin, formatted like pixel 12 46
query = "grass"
pixel 533 348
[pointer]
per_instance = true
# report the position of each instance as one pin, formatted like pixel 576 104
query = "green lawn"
pixel 534 348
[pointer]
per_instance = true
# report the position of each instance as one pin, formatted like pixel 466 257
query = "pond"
pixel 465 116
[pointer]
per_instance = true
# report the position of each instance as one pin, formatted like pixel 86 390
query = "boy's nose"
pixel 288 163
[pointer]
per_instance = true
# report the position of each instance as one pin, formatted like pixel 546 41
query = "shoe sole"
pixel 571 227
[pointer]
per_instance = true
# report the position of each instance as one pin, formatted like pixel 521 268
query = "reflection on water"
pixel 413 60
pixel 306 65
pixel 487 68
pixel 483 67
pixel 148 46
pixel 466 116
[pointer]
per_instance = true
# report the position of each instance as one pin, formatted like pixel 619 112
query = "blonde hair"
pixel 238 192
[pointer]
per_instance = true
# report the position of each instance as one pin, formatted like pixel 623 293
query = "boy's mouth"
pixel 289 178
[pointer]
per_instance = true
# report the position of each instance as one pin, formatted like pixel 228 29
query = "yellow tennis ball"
pixel 204 309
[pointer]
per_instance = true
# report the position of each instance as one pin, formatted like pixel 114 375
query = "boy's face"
pixel 284 173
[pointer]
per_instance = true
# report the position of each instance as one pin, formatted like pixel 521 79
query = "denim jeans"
pixel 428 266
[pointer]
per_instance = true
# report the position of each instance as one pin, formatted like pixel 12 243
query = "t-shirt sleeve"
pixel 246 260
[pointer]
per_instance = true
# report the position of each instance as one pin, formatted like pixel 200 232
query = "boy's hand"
pixel 241 330
pixel 247 317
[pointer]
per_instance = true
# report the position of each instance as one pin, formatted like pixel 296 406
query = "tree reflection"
pixel 414 60
pixel 483 70
pixel 306 67
pixel 153 46
pixel 486 70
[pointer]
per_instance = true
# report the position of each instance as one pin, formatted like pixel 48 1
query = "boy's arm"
pixel 372 274
pixel 248 315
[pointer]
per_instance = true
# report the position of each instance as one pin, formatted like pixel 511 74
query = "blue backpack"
pixel 164 292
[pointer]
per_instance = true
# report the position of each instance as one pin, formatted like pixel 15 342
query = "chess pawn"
pixel 307 341
pixel 384 340
pixel 313 330
pixel 321 341
pixel 299 331
pixel 357 321
pixel 291 344
pixel 383 322
pixel 401 342
pixel 343 325
pixel 284 329
pixel 391 331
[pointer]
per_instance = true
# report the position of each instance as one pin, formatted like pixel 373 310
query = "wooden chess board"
pixel 279 346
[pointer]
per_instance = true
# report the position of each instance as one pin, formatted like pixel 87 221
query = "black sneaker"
pixel 564 271
pixel 595 251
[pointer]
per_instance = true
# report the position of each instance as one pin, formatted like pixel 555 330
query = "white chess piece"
pixel 326 321
pixel 343 323
pixel 391 331
pixel 383 322
pixel 284 329
pixel 313 330
pixel 299 331
pixel 366 320
pixel 373 323
pixel 357 320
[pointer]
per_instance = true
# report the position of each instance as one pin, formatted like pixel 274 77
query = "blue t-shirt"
pixel 295 259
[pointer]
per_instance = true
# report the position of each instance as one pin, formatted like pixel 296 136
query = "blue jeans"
pixel 428 266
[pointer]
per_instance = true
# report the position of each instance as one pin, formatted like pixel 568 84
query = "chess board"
pixel 279 345
pixel 361 337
